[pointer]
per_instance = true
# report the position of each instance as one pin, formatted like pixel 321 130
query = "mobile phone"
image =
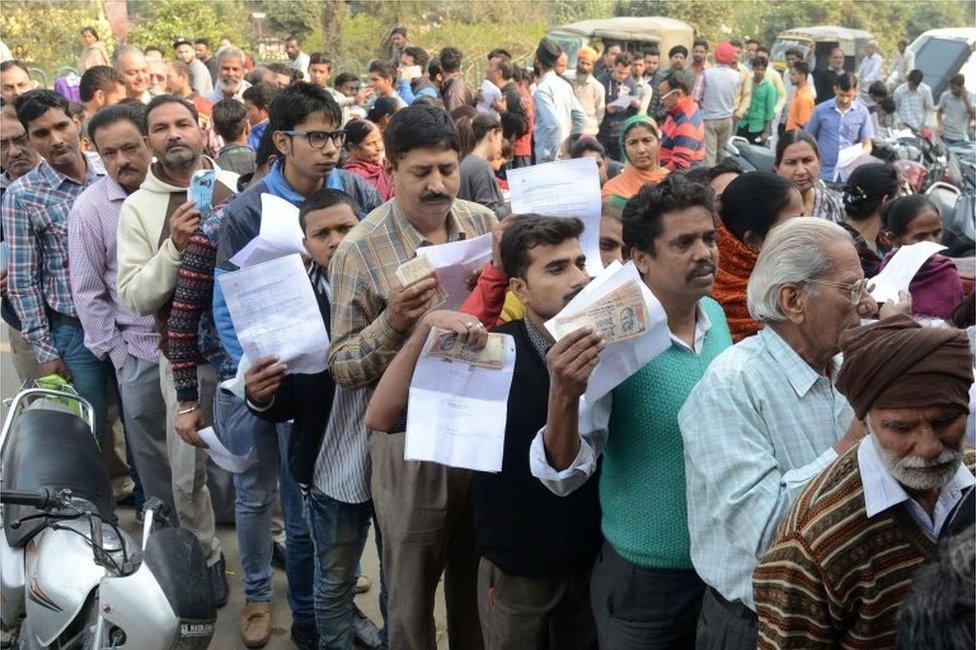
pixel 202 189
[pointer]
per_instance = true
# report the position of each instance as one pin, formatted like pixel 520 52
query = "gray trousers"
pixel 724 625
pixel 717 134
pixel 546 613
pixel 145 426
pixel 188 464
pixel 424 515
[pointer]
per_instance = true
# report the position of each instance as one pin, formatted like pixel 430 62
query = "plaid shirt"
pixel 364 264
pixel 35 223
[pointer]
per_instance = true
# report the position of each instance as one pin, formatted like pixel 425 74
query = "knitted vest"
pixel 642 485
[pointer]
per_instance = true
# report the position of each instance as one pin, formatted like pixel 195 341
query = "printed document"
pixel 901 269
pixel 280 234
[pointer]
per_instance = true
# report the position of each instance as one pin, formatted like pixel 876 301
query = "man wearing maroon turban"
pixel 844 557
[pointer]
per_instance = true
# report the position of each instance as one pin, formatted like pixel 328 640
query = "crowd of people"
pixel 794 470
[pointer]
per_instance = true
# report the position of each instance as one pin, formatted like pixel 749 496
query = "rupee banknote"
pixel 618 316
pixel 445 344
pixel 415 270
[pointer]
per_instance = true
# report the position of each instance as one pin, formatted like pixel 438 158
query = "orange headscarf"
pixel 735 264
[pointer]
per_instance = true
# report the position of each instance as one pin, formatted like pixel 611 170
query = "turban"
pixel 897 363
pixel 587 54
pixel 725 53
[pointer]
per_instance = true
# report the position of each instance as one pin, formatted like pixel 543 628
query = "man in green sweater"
pixel 644 590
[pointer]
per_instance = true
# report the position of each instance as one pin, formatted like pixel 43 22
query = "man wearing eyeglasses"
pixel 766 417
pixel 304 122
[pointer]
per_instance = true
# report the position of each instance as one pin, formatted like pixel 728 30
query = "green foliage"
pixel 171 19
pixel 292 17
pixel 48 35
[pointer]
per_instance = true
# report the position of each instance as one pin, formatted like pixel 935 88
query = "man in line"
pixel 645 592
pixel 15 80
pixel 100 86
pixel 826 78
pixel 913 102
pixel 112 333
pixel 752 49
pixel 132 66
pixel 793 56
pixel 398 44
pixel 421 86
pixel 257 100
pixel 201 47
pixel 756 125
pixel 654 75
pixel 558 113
pixel 743 97
pixel 683 132
pixel 515 119
pixel 537 549
pixel 870 70
pixel 382 76
pixel 840 123
pixel 676 57
pixel 199 74
pixel 35 222
pixel 17 157
pixel 178 83
pixel 423 509
pixel 699 61
pixel 590 92
pixel 718 102
pixel 620 88
pixel 847 552
pixel 230 123
pixel 155 225
pixel 643 85
pixel 803 100
pixel 901 63
pixel 230 76
pixel 454 90
pixel 297 59
pixel 157 78
pixel 605 64
pixel 766 417
pixel 305 127
pixel 956 109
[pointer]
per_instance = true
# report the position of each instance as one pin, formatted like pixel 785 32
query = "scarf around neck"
pixel 735 264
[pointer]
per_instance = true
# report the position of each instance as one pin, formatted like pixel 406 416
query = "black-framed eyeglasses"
pixel 855 290
pixel 317 139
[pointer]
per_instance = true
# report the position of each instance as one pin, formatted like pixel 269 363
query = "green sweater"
pixel 642 480
pixel 762 106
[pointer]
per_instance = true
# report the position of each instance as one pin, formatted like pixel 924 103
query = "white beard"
pixel 909 470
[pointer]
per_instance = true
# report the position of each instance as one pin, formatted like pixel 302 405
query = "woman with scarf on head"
pixel 936 288
pixel 868 188
pixel 640 140
pixel 364 142
pixel 752 204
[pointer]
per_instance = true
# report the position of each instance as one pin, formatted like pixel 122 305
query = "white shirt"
pixel 300 63
pixel 913 107
pixel 558 114
pixel 870 70
pixel 882 491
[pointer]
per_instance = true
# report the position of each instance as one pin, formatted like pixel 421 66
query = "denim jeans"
pixel 89 376
pixel 339 532
pixel 257 489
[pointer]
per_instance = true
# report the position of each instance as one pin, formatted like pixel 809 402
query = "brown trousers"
pixel 425 519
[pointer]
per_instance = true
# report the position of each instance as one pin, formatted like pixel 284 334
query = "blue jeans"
pixel 89 376
pixel 257 489
pixel 339 532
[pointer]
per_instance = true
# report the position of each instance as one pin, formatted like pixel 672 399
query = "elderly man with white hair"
pixel 230 81
pixel 766 418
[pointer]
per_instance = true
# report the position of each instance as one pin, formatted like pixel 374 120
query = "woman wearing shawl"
pixel 640 141
pixel 936 289
pixel 798 160
pixel 752 204
pixel 365 145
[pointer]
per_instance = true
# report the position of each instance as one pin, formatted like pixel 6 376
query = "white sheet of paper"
pixel 457 412
pixel 222 456
pixel 563 188
pixel 490 93
pixel 280 234
pixel 275 313
pixel 454 262
pixel 848 155
pixel 623 101
pixel 901 268
pixel 619 360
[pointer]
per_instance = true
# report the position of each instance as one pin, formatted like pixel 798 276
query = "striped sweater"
pixel 835 578
pixel 682 136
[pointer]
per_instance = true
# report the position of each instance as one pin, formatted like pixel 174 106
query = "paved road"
pixel 226 635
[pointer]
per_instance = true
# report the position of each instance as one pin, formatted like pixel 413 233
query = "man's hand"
pixel 901 306
pixel 187 425
pixel 262 380
pixel 501 105
pixel 364 93
pixel 54 367
pixel 408 304
pixel 571 361
pixel 612 108
pixel 467 328
pixel 496 240
pixel 183 223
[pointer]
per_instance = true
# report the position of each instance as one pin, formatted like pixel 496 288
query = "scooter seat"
pixel 55 450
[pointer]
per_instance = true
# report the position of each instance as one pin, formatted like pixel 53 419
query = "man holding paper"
pixel 644 567
pixel 423 509
pixel 536 549
pixel 839 124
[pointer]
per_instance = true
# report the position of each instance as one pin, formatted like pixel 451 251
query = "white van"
pixel 942 53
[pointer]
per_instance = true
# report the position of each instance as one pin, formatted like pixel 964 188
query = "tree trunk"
pixel 331 18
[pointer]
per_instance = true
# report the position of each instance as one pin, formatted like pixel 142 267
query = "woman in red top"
pixel 365 145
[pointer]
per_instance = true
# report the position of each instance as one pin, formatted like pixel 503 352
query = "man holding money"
pixel 423 509
pixel 536 549
pixel 645 592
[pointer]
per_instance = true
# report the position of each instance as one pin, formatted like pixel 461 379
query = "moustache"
pixel 701 269
pixel 434 197
pixel 125 169
pixel 174 145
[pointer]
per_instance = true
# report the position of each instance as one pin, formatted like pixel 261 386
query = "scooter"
pixel 69 577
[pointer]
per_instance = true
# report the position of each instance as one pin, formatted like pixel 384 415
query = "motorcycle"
pixel 70 577
pixel 750 157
